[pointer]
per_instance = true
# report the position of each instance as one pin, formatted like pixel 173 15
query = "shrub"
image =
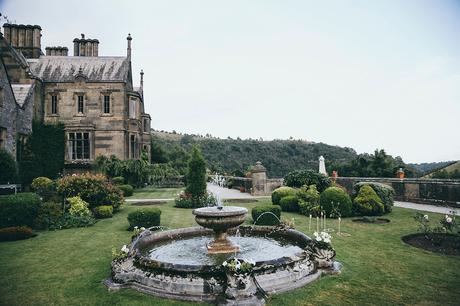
pixel 289 203
pixel 19 209
pixel 266 219
pixel 386 193
pixel 70 221
pixel 309 200
pixel 300 178
pixel 281 192
pixel 308 208
pixel 44 187
pixel 146 217
pixel 118 180
pixel 15 233
pixel 78 207
pixel 127 190
pixel 104 211
pixel 368 203
pixel 185 200
pixel 9 171
pixel 48 213
pixel 335 202
pixel 91 188
pixel 196 176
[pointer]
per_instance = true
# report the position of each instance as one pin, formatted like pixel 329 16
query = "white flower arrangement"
pixel 125 249
pixel 239 266
pixel 448 219
pixel 425 217
pixel 322 237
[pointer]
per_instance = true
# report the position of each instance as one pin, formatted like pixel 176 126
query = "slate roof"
pixel 22 92
pixel 95 69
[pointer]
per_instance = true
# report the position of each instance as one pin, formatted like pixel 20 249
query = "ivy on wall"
pixel 43 153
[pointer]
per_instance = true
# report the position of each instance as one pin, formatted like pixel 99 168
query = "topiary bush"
pixel 9 171
pixel 48 213
pixel 19 209
pixel 368 203
pixel 118 180
pixel 335 202
pixel 196 176
pixel 299 178
pixel 104 211
pixel 290 204
pixel 91 188
pixel 266 219
pixel 281 192
pixel 127 190
pixel 15 233
pixel 146 217
pixel 385 193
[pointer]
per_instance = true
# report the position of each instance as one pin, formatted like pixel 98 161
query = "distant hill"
pixel 450 171
pixel 426 168
pixel 237 155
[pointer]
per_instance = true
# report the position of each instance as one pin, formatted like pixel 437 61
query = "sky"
pixel 361 74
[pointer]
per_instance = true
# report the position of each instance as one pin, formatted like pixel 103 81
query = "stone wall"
pixel 427 191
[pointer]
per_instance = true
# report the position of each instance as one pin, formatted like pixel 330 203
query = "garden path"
pixel 426 207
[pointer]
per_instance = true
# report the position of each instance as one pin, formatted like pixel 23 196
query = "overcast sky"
pixel 362 74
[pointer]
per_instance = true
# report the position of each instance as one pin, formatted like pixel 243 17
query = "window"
pixel 133 146
pixel 21 141
pixel 2 138
pixel 80 106
pixel 54 101
pixel 106 104
pixel 146 125
pixel 79 145
pixel 132 109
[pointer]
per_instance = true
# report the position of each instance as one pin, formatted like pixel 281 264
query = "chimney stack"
pixel 85 46
pixel 57 51
pixel 128 55
pixel 24 38
pixel 142 84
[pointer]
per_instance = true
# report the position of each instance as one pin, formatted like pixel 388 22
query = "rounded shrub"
pixel 146 217
pixel 15 233
pixel 118 180
pixel 78 207
pixel 263 214
pixel 368 203
pixel 281 192
pixel 104 211
pixel 299 178
pixel 41 183
pixel 9 171
pixel 290 203
pixel 127 190
pixel 19 209
pixel 386 193
pixel 335 202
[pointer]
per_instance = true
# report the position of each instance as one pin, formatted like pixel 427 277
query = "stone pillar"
pixel 259 179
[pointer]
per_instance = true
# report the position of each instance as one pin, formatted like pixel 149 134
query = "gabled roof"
pixel 94 69
pixel 22 92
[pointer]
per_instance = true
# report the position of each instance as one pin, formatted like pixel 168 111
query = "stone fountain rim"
pixel 145 262
pixel 227 211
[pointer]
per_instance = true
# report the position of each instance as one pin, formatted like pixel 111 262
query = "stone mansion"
pixel 92 95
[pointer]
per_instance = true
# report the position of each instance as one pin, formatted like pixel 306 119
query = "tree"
pixel 8 173
pixel 196 175
pixel 157 154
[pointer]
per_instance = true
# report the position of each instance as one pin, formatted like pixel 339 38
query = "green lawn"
pixel 155 193
pixel 67 267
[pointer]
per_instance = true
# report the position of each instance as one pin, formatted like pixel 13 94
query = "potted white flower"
pixel 322 250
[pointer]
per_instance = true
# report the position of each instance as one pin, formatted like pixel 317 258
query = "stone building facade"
pixel 92 95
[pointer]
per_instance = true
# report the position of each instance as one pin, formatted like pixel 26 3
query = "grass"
pixel 155 193
pixel 67 267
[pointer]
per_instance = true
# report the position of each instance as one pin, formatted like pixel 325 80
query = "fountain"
pixel 221 262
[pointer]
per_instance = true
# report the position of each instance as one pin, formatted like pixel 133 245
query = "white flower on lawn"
pixel 425 217
pixel 448 219
pixel 125 249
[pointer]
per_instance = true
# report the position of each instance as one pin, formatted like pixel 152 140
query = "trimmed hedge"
pixel 127 190
pixel 335 201
pixel 146 217
pixel 299 178
pixel 290 203
pixel 104 211
pixel 266 219
pixel 368 203
pixel 19 209
pixel 281 192
pixel 385 193
pixel 15 233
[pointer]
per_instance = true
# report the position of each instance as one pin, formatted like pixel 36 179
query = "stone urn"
pixel 220 219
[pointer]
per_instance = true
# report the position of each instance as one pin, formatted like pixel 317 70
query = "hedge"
pixel 127 190
pixel 299 178
pixel 104 211
pixel 368 203
pixel 146 217
pixel 9 171
pixel 281 192
pixel 386 193
pixel 268 218
pixel 290 203
pixel 19 209
pixel 335 201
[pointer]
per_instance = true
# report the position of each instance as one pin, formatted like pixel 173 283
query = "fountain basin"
pixel 204 280
pixel 220 219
